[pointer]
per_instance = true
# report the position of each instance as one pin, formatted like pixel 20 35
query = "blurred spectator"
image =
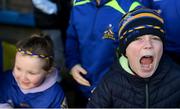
pixel 92 39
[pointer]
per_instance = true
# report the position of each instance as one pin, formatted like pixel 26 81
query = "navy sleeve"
pixel 5 78
pixel 72 47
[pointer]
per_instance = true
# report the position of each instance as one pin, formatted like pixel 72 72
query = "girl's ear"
pixel 50 71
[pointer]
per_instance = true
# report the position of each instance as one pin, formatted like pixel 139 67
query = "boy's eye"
pixel 138 38
pixel 156 38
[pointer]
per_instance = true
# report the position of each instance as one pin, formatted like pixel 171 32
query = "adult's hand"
pixel 77 72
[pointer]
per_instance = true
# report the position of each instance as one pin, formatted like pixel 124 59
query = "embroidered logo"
pixel 109 34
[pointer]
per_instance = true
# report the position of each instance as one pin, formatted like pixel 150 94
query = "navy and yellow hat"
pixel 139 22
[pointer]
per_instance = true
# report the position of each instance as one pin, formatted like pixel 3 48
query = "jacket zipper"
pixel 147 95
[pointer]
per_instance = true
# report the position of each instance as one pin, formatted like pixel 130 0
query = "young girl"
pixel 33 81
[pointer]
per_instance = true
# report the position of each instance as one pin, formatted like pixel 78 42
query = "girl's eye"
pixel 17 68
pixel 32 73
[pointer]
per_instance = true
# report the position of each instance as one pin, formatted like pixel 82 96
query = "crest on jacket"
pixel 108 33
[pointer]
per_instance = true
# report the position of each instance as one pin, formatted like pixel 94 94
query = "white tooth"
pixel 147 66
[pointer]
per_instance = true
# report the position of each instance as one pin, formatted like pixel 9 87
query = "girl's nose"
pixel 24 76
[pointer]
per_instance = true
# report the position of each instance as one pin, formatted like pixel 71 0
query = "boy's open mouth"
pixel 146 62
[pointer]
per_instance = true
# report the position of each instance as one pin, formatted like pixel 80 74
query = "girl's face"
pixel 28 71
pixel 144 55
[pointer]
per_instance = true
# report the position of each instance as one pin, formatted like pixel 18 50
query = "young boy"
pixel 33 81
pixel 143 76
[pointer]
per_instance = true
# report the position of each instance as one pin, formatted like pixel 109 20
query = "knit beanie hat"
pixel 139 22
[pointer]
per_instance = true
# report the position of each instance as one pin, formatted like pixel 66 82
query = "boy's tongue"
pixel 146 60
pixel 146 63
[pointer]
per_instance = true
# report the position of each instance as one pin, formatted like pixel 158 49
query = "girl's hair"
pixel 40 46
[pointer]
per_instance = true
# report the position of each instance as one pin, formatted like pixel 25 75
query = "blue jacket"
pixel 92 36
pixel 12 94
pixel 170 11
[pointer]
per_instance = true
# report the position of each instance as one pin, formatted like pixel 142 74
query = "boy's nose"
pixel 148 44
